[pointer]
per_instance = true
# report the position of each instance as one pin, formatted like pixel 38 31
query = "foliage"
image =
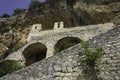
pixel 14 48
pixel 66 46
pixel 3 28
pixel 5 15
pixel 17 46
pixel 18 11
pixel 41 13
pixel 8 66
pixel 91 55
pixel 34 4
pixel 65 43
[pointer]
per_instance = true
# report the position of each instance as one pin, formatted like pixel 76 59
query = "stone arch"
pixel 65 43
pixel 34 52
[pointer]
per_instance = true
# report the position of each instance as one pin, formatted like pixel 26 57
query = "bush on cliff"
pixel 18 11
pixel 66 46
pixel 5 15
pixel 91 55
pixel 90 69
pixel 34 4
pixel 9 66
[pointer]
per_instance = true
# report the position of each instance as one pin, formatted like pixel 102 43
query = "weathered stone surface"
pixel 74 12
pixel 3 49
pixel 69 62
pixel 51 37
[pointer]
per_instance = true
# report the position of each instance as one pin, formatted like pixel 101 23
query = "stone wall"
pixel 51 37
pixel 109 66
pixel 84 29
pixel 67 65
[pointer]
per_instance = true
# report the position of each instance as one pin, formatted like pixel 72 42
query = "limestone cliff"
pixel 73 12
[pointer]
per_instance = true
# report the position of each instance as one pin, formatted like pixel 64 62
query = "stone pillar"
pixel 39 27
pixel 61 25
pixel 56 25
pixel 50 49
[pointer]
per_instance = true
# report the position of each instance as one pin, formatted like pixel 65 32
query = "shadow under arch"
pixel 65 43
pixel 34 52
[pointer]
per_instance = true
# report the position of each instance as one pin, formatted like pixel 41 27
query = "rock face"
pixel 68 64
pixel 11 35
pixel 79 12
pixel 98 1
pixel 3 49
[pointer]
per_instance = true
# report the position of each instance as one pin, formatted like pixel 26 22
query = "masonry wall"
pixel 109 66
pixel 50 37
pixel 67 65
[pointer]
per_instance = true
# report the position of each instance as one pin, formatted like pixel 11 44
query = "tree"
pixel 5 15
pixel 34 3
pixel 18 11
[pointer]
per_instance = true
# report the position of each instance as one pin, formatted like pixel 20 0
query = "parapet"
pixel 58 25
pixel 36 27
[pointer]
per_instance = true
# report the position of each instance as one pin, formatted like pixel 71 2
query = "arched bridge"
pixel 43 44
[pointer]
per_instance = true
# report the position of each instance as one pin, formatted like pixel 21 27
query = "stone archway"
pixel 65 43
pixel 34 52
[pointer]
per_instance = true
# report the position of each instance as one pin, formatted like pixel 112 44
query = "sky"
pixel 7 6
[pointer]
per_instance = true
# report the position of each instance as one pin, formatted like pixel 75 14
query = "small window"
pixel 35 27
pixel 58 25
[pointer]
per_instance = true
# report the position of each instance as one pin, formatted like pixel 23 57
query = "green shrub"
pixel 66 46
pixel 5 15
pixel 8 66
pixel 18 11
pixel 14 48
pixel 34 4
pixel 17 46
pixel 91 55
pixel 69 45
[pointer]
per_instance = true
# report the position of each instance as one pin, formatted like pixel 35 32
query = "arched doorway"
pixel 34 52
pixel 65 43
